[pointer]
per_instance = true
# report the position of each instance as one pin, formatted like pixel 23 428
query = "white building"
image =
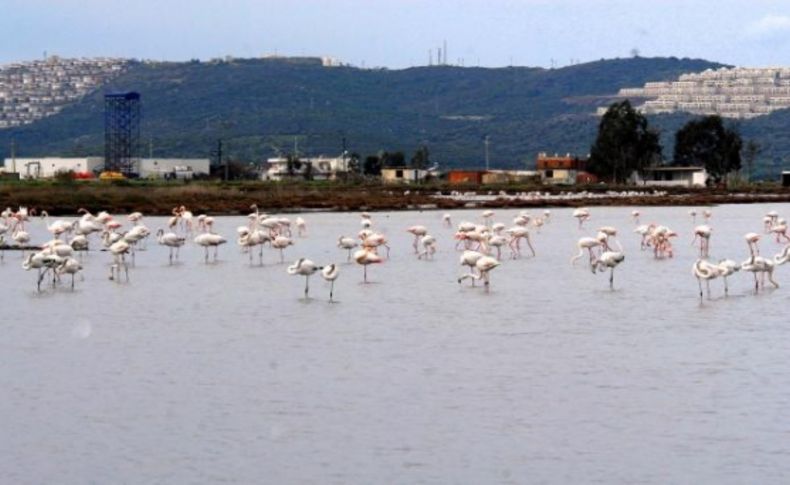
pixel 48 167
pixel 672 177
pixel 320 168
pixel 403 175
pixel 173 167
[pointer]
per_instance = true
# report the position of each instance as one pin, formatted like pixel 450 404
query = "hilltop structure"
pixel 33 90
pixel 739 93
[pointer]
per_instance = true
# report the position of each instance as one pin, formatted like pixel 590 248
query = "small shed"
pixel 458 177
pixel 401 175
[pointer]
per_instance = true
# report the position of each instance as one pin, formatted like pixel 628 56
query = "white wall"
pixel 159 167
pixel 47 167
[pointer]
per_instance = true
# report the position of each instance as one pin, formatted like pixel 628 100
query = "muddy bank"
pixel 232 199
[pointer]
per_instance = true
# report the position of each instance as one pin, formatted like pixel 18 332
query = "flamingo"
pixel 301 227
pixel 119 249
pixel 470 258
pixel 448 221
pixel 758 264
pixel 330 273
pixel 365 257
pixel 702 232
pixel 483 265
pixel 609 259
pixel 172 241
pixel 348 243
pixel 304 267
pixel 487 215
pixel 429 243
pixel 704 270
pixel 751 240
pixel 58 227
pixel 374 240
pixel 418 232
pixel 207 240
pixel 588 243
pixel 517 233
pixel 693 214
pixel 727 268
pixel 547 216
pixel 582 215
pixel 281 242
pixel 42 262
pixel 69 266
pixel 635 216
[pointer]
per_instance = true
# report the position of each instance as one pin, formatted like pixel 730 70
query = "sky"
pixel 400 33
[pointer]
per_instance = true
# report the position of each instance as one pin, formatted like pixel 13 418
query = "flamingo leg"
pixel 611 279
pixel 306 286
pixel 331 290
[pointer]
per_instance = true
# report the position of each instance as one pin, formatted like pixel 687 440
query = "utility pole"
pixel 219 158
pixel 150 146
pixel 486 141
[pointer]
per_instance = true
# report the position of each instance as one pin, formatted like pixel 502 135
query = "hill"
pixel 261 106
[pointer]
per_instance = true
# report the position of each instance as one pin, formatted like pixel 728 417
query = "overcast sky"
pixel 399 33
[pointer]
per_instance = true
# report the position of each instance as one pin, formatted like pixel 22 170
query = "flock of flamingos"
pixel 481 244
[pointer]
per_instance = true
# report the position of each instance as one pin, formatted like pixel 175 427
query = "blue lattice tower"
pixel 122 132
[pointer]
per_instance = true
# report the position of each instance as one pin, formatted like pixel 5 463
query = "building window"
pixel 549 174
pixel 398 174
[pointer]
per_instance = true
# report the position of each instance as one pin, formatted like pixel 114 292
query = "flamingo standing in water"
pixel 635 216
pixel 69 266
pixel 608 259
pixel 448 221
pixel 702 233
pixel 366 256
pixel 693 214
pixel 589 244
pixel 582 215
pixel 330 273
pixel 470 258
pixel 119 249
pixel 304 267
pixel 705 270
pixel 347 243
pixel 418 232
pixel 484 265
pixel 428 242
pixel 301 227
pixel 208 240
pixel 172 241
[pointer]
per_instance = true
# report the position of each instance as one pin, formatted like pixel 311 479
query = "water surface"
pixel 200 373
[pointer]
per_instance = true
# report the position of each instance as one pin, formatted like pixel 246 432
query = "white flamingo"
pixel 304 267
pixel 330 273
pixel 172 241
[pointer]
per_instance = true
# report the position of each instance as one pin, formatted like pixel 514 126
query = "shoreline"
pixel 236 198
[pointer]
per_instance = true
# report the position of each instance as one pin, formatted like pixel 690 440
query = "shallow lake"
pixel 200 373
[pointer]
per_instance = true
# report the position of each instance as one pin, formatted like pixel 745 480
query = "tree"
pixel 354 167
pixel 706 142
pixel 750 152
pixel 624 144
pixel 394 159
pixel 421 158
pixel 372 166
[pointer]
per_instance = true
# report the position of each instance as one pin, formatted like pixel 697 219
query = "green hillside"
pixel 260 106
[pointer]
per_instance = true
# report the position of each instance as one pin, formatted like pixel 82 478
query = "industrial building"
pixel 48 167
pixel 173 168
pixel 317 168
pixel 562 170
pixel 672 177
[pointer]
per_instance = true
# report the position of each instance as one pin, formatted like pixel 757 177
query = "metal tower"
pixel 122 132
